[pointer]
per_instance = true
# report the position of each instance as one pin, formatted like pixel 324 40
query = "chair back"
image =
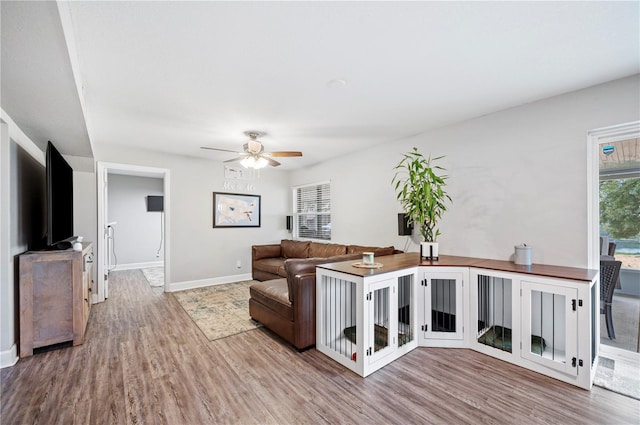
pixel 609 272
pixel 612 249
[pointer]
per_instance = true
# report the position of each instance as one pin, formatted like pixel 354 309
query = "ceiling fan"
pixel 254 155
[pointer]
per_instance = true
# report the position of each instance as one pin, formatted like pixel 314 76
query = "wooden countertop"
pixel 391 263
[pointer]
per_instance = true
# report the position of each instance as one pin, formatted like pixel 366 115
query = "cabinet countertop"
pixel 392 263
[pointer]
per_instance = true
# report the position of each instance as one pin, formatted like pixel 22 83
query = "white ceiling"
pixel 173 76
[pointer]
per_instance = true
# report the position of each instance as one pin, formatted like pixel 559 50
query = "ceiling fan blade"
pixel 284 153
pixel 272 162
pixel 218 149
pixel 240 158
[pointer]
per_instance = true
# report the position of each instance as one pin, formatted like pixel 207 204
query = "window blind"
pixel 312 211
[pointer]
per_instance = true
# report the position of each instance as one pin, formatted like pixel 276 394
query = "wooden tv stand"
pixel 55 297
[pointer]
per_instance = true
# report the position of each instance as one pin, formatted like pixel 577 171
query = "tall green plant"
pixel 421 192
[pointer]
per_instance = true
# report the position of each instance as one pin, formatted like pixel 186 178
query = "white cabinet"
pixel 365 322
pixel 543 324
pixel 543 318
pixel 441 295
pixel 550 326
pixel 496 326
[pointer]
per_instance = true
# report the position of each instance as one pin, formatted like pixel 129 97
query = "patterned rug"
pixel 220 310
pixel 154 275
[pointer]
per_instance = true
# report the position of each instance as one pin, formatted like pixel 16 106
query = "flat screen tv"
pixel 59 200
pixel 155 203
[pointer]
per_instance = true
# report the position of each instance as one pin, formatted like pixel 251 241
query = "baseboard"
pixel 9 357
pixel 132 266
pixel 181 286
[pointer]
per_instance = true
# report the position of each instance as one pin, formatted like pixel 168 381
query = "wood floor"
pixel 144 361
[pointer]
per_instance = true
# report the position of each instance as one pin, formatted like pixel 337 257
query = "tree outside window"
pixel 620 218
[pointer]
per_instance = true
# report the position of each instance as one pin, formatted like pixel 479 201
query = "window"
pixel 312 211
pixel 620 204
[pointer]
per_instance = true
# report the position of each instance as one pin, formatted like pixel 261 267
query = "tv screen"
pixel 155 203
pixel 59 197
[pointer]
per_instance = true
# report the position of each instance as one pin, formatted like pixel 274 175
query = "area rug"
pixel 220 310
pixel 154 275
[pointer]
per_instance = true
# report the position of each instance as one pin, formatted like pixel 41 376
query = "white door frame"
pixel 105 168
pixel 595 138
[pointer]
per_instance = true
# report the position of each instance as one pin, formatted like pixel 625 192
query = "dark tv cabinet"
pixel 55 297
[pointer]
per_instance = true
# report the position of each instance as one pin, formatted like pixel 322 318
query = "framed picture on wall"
pixel 236 210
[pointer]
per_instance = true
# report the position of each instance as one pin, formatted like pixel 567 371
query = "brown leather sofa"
pixel 287 305
pixel 267 261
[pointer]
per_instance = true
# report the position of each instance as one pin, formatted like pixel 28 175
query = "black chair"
pixel 609 272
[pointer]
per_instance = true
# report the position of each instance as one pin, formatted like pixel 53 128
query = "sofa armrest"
pixel 304 289
pixel 265 251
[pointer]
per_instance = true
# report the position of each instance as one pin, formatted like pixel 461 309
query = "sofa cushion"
pixel 271 265
pixel 294 249
pixel 273 294
pixel 326 249
pixel 265 251
pixel 358 249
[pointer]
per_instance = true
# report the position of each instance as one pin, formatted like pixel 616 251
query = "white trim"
pixel 594 139
pixel 105 168
pixel 17 135
pixel 192 284
pixel 135 266
pixel 9 357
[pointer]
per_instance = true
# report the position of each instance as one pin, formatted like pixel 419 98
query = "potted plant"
pixel 420 191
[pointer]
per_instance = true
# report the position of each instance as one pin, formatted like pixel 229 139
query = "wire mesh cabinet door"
pixel 550 326
pixel 442 300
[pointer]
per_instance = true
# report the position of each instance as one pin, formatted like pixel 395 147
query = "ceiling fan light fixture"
pixel 253 155
pixel 254 162
pixel 253 146
pixel 261 163
pixel 248 162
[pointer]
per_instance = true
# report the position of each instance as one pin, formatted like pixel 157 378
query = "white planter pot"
pixel 429 250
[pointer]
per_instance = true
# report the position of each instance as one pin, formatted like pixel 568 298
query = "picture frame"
pixel 236 210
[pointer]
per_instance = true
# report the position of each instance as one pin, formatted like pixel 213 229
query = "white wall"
pixel 138 234
pixel 85 211
pixel 518 175
pixel 198 251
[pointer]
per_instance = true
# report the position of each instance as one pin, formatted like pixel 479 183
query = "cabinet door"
pixel 442 301
pixel 381 325
pixel 550 326
pixel 407 310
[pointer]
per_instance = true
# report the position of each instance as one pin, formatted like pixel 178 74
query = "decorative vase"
pixel 429 250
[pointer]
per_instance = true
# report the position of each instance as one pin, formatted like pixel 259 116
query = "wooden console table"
pixel 55 297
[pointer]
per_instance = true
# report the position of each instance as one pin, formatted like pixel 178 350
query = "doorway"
pixel 107 229
pixel 614 174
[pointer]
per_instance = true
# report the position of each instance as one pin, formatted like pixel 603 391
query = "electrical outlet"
pixel 239 264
